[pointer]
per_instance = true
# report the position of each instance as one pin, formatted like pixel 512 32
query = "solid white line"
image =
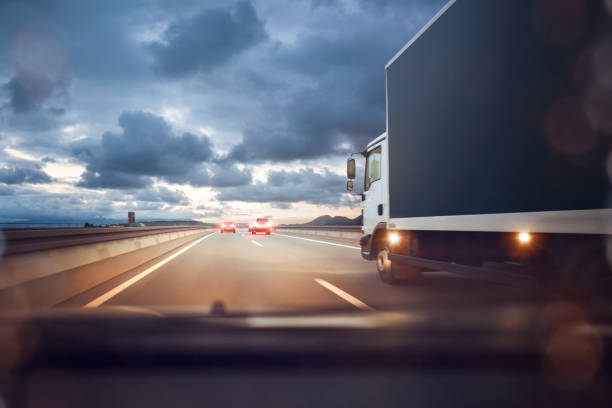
pixel 101 299
pixel 257 243
pixel 321 242
pixel 349 298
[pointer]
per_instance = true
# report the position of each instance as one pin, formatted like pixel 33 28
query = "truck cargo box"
pixel 502 107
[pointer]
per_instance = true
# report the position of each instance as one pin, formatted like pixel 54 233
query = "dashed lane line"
pixel 320 242
pixel 346 296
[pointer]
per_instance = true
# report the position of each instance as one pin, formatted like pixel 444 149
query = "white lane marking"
pixel 113 292
pixel 321 242
pixel 349 298
pixel 256 243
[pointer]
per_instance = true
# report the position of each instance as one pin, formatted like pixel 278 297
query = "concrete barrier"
pixel 22 275
pixel 330 233
pixel 21 241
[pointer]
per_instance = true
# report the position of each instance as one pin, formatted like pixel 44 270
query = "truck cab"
pixel 375 186
pixel 375 244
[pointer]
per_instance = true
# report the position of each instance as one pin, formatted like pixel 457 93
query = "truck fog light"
pixel 524 237
pixel 393 238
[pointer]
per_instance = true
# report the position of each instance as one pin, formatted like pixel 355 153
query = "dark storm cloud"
pixel 24 172
pixel 301 87
pixel 227 176
pixel 37 60
pixel 208 39
pixel 39 127
pixel 147 147
pixel 112 179
pixel 213 175
pixel 28 206
pixel 56 111
pixel 6 190
pixel 91 206
pixel 281 206
pixel 344 100
pixel 28 91
pixel 163 195
pixel 38 3
pixel 291 187
pixel 314 4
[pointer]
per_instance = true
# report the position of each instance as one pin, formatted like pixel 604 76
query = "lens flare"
pixel 524 237
pixel 393 238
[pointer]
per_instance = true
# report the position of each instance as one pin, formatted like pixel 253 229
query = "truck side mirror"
pixel 350 185
pixel 350 168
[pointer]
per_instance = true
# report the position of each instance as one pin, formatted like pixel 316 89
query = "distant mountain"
pixel 328 220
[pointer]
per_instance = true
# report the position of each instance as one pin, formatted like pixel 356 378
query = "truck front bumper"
pixel 366 247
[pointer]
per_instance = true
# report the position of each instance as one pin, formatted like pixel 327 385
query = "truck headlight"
pixel 524 237
pixel 393 238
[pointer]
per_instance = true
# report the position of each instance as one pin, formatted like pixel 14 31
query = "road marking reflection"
pixel 115 291
pixel 321 242
pixel 349 298
pixel 256 243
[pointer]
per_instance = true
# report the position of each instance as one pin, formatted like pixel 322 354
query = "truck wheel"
pixel 393 273
pixel 385 267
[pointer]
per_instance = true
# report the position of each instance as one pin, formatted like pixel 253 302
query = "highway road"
pixel 280 271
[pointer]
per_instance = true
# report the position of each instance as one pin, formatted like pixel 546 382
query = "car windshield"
pixel 478 137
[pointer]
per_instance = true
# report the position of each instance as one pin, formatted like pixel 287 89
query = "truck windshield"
pixel 372 167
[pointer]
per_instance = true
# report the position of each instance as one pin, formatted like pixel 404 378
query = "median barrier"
pixel 45 277
pixel 349 232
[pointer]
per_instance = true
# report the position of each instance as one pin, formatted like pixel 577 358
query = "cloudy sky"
pixel 193 109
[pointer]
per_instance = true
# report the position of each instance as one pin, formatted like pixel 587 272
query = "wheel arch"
pixel 376 240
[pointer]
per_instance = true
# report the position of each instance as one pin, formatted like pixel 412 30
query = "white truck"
pixel 498 134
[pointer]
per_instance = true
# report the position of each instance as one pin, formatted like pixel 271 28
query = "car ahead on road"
pixel 262 226
pixel 227 226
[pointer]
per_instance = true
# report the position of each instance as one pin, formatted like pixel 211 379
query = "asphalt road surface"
pixel 278 271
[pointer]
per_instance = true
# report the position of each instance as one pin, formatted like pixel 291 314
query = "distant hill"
pixel 328 220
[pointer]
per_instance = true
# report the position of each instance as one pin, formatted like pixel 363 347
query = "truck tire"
pixel 385 267
pixel 392 272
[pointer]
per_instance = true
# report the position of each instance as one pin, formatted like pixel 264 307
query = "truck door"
pixel 374 190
